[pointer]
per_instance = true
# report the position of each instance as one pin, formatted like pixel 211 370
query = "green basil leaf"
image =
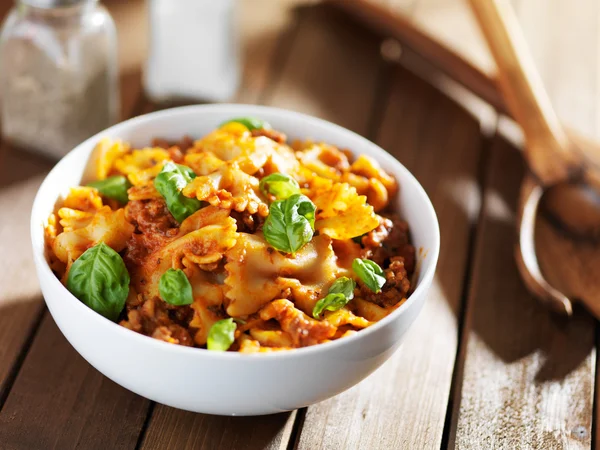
pixel 290 223
pixel 340 293
pixel 221 335
pixel 99 279
pixel 252 123
pixel 175 288
pixel 280 185
pixel 169 183
pixel 113 187
pixel 307 209
pixel 370 273
pixel 343 285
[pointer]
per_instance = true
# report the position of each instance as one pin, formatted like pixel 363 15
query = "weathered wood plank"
pixel 403 404
pixel 331 72
pixel 20 298
pixel 59 401
pixel 569 65
pixel 174 428
pixel 267 31
pixel 326 60
pixel 527 379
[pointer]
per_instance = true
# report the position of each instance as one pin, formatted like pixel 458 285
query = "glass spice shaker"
pixel 193 52
pixel 58 74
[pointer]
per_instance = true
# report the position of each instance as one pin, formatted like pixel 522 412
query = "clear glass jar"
pixel 58 74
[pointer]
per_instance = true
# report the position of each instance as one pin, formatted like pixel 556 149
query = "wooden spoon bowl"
pixel 564 180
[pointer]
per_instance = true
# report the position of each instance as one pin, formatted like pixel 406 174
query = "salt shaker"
pixel 193 51
pixel 58 74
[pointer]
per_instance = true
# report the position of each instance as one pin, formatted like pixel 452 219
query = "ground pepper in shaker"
pixel 58 74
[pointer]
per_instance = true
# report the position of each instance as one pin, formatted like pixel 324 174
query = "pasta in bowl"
pixel 239 241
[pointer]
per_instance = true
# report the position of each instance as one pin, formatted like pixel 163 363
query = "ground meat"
pixel 133 321
pixel 390 238
pixel 334 158
pixel 217 310
pixel 173 334
pixel 181 314
pixel 161 321
pixel 184 143
pixel 151 216
pixel 395 288
pixel 303 329
pixel 154 225
pixel 147 317
pixel 246 222
pixel 176 154
pixel 276 136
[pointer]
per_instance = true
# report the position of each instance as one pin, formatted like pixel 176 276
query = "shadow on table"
pixel 17 165
pixel 514 325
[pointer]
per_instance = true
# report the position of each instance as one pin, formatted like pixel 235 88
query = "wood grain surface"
pixel 59 401
pixel 403 404
pixel 527 379
pixel 522 379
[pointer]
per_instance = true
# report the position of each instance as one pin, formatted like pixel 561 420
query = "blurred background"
pixel 193 51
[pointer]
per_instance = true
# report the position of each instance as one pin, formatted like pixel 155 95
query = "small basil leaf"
pixel 343 285
pixel 280 185
pixel 340 293
pixel 100 279
pixel 221 335
pixel 175 288
pixel 113 187
pixel 290 223
pixel 307 209
pixel 370 274
pixel 252 123
pixel 169 183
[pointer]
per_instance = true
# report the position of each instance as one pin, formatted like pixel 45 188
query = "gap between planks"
pixel 403 404
pixel 484 170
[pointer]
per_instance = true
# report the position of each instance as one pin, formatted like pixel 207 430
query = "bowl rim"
pixel 44 268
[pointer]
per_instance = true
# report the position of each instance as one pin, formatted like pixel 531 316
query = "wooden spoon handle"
pixel 547 146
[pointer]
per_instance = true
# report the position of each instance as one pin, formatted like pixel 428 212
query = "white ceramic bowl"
pixel 231 383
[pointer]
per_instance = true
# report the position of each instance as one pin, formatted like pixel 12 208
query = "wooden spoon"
pixel 556 160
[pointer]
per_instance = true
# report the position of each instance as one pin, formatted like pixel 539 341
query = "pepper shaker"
pixel 58 74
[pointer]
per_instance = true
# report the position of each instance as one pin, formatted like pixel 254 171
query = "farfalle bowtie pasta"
pixel 238 241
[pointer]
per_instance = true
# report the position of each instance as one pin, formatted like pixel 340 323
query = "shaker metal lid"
pixel 55 3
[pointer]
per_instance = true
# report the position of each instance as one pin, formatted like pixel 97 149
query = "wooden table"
pixel 485 366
